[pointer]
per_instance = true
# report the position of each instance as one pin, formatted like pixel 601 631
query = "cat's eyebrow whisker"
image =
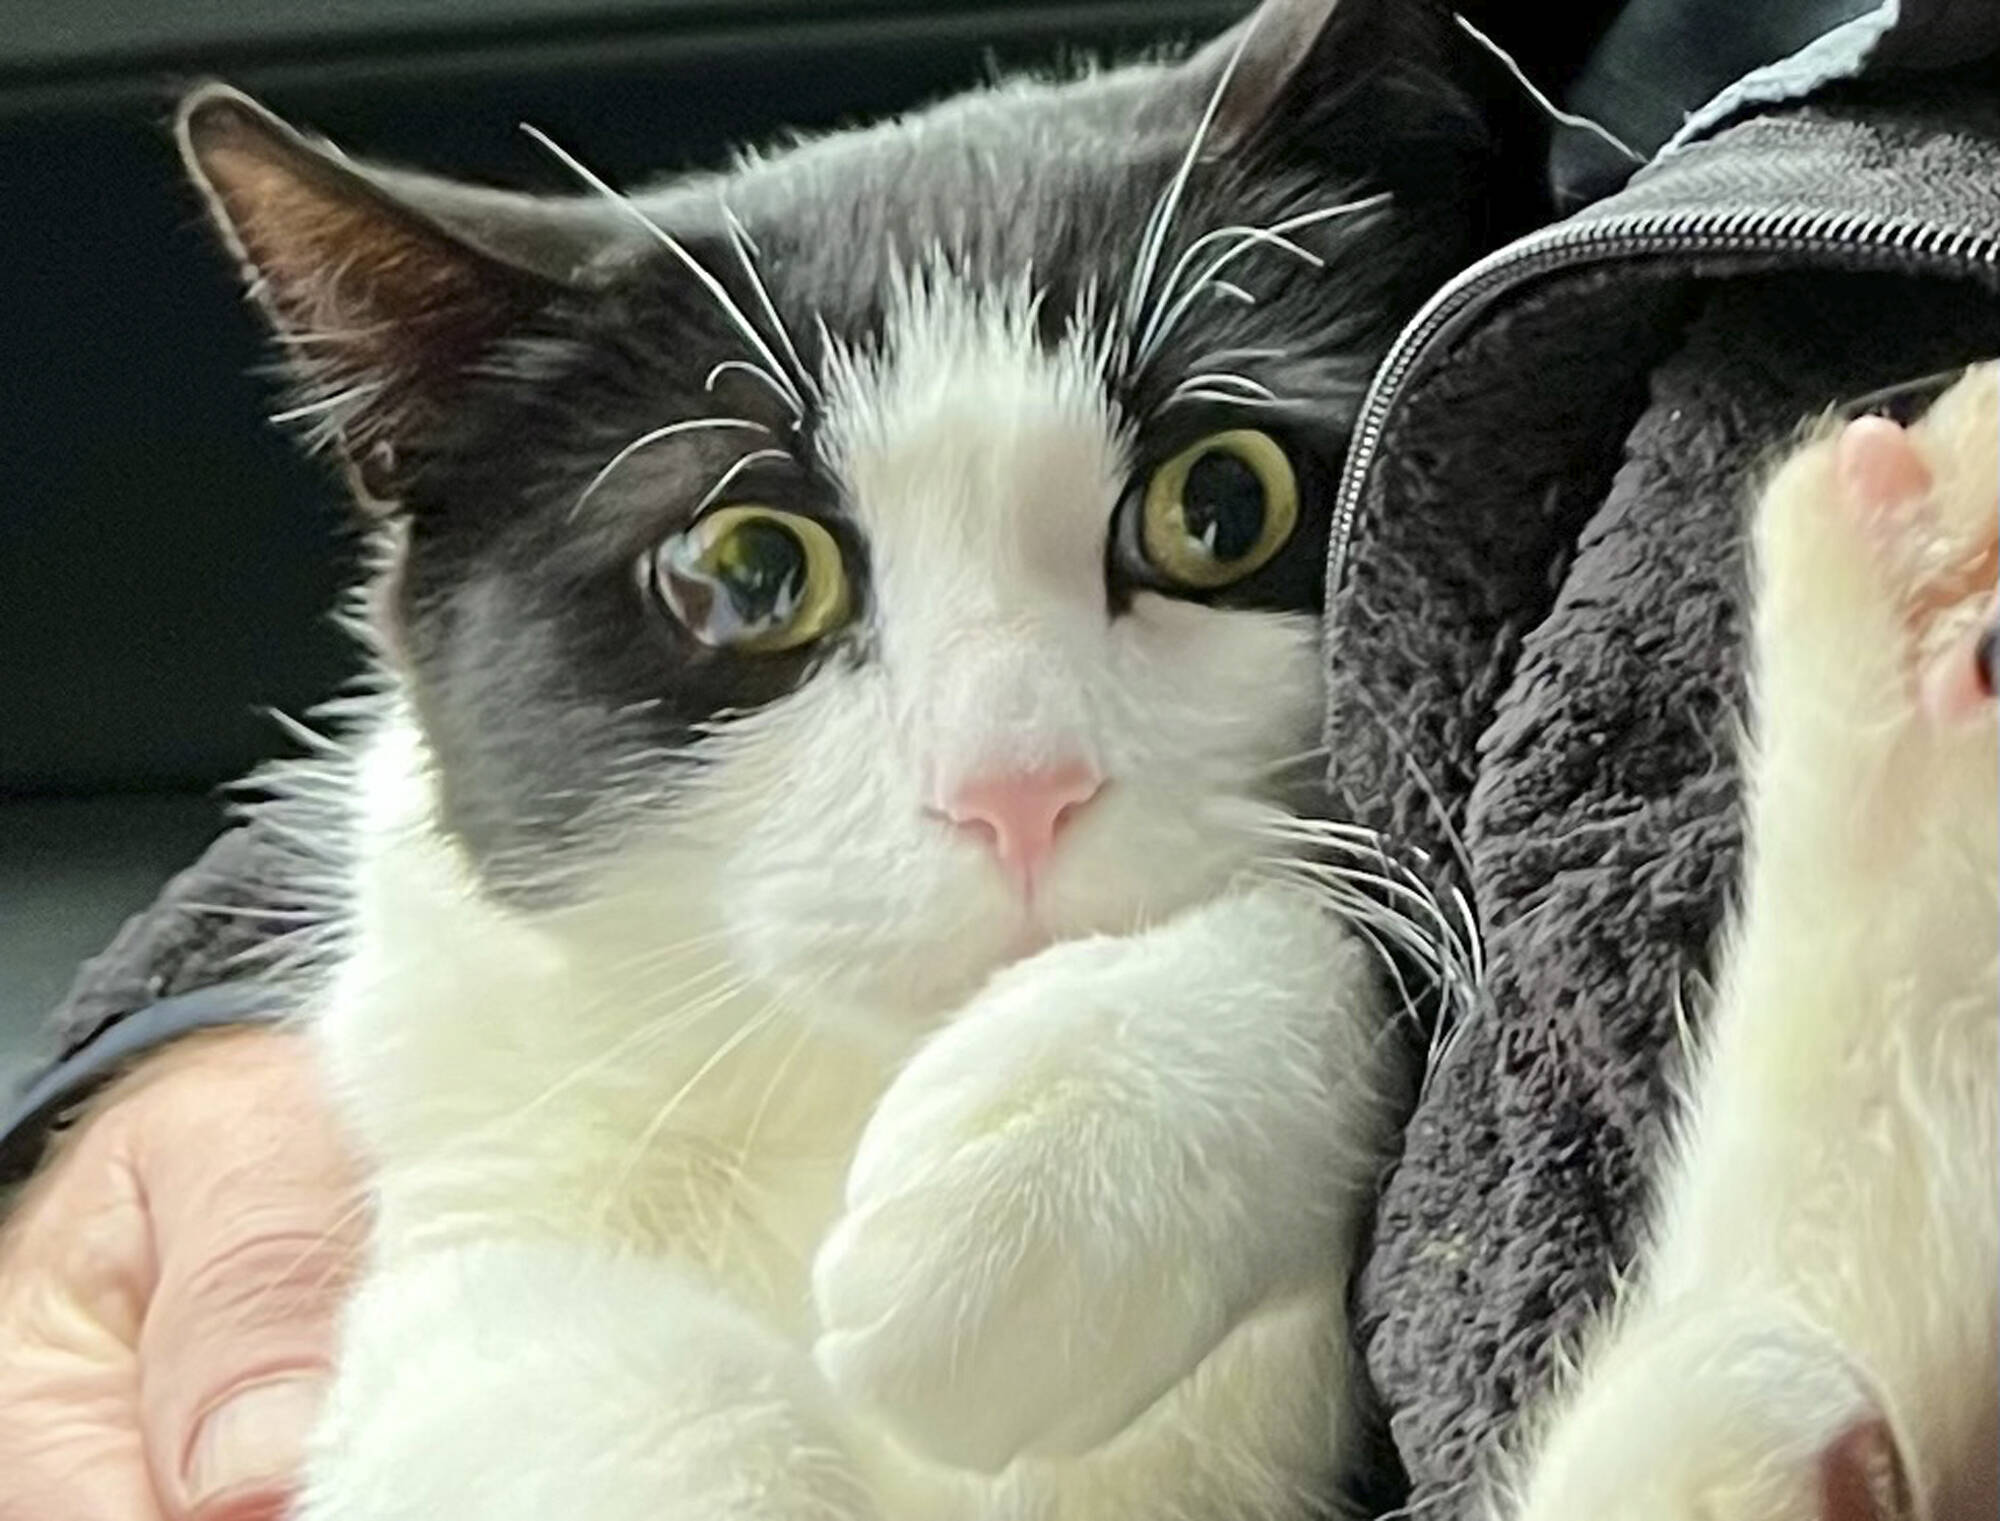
pixel 1231 355
pixel 1271 234
pixel 1165 318
pixel 1160 222
pixel 657 435
pixel 1184 394
pixel 750 370
pixel 749 461
pixel 746 251
pixel 1245 236
pixel 1217 380
pixel 674 246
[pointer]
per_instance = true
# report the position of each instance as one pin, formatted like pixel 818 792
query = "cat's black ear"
pixel 1387 83
pixel 382 285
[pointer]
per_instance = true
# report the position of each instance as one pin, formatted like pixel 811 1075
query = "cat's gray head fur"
pixel 961 343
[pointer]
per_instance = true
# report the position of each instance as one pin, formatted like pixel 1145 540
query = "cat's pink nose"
pixel 1020 813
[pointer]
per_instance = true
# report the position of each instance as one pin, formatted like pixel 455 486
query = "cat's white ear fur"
pixel 381 284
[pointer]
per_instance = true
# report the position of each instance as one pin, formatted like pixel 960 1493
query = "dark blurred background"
pixel 166 559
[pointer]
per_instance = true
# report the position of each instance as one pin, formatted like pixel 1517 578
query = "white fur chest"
pixel 508 1081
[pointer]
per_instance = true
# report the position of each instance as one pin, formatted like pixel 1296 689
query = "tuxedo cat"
pixel 843 1002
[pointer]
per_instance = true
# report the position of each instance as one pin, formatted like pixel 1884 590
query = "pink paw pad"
pixel 1885 479
pixel 1879 464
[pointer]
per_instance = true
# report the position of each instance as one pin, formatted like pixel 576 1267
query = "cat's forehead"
pixel 965 433
pixel 1036 179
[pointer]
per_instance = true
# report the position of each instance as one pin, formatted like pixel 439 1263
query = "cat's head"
pixel 900 549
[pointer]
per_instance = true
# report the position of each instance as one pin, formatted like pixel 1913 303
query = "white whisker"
pixel 746 256
pixel 1160 222
pixel 750 371
pixel 1223 398
pixel 1223 379
pixel 694 266
pixel 658 435
pixel 748 461
pixel 1165 319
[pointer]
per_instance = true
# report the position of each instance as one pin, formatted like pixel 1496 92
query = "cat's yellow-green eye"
pixel 754 579
pixel 1219 510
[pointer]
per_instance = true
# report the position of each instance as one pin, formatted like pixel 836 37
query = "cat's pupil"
pixel 761 566
pixel 1222 503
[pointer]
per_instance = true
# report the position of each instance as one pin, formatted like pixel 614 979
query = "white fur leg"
pixel 1119 1151
pixel 1816 1334
pixel 517 1381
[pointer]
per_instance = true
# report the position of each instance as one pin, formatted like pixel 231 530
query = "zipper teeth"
pixel 1638 233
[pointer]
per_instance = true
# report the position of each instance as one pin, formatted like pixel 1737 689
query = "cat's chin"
pixel 902 982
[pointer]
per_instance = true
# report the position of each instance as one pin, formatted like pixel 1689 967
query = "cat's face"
pixel 897 553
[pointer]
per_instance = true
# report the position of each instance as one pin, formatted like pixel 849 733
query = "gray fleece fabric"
pixel 1598 815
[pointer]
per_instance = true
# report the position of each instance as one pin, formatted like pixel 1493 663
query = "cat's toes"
pixel 1882 473
pixel 1927 498
pixel 998 1287
pixel 1928 503
pixel 931 1320
pixel 1877 553
pixel 954 1312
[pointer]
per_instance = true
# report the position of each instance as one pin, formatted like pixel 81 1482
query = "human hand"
pixel 169 1286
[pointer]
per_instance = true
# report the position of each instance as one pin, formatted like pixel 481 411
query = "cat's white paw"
pixel 1871 780
pixel 1876 553
pixel 989 1290
pixel 1076 1189
pixel 1712 1415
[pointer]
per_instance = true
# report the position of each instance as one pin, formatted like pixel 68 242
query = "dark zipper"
pixel 1896 244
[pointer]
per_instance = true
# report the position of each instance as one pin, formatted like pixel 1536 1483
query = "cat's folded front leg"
pixel 516 1381
pixel 1121 1148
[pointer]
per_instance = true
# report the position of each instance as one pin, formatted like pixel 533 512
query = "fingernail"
pixel 255 1438
pixel 1983 656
